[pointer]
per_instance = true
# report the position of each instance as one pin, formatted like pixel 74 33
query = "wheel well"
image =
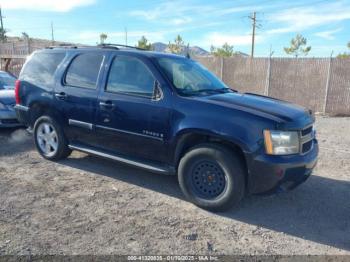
pixel 191 140
pixel 38 110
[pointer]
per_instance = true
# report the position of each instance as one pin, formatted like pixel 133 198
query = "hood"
pixel 279 110
pixel 7 97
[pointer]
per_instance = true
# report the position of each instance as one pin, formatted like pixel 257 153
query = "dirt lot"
pixel 87 205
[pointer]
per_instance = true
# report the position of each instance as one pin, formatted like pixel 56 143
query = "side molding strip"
pixel 149 167
pixel 81 124
pixel 129 132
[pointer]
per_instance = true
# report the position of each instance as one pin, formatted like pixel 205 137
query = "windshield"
pixel 190 77
pixel 7 81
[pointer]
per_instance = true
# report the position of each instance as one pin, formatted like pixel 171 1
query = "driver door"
pixel 129 120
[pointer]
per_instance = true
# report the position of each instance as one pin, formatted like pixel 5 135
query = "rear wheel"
pixel 212 177
pixel 50 140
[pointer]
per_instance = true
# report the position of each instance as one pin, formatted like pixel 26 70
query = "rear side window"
pixel 83 71
pixel 41 67
pixel 131 76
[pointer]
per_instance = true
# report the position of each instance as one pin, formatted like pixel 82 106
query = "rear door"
pixel 129 120
pixel 76 94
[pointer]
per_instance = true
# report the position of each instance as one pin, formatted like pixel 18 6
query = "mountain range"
pixel 195 50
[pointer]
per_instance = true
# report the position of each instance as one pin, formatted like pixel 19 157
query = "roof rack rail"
pixel 66 46
pixel 116 46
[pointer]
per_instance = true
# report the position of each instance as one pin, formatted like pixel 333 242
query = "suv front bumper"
pixel 270 173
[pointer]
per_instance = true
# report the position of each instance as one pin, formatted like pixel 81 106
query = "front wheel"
pixel 50 140
pixel 212 177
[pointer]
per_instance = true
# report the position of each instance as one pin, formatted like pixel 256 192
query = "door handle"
pixel 107 104
pixel 61 95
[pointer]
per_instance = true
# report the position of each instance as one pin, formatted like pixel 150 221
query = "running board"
pixel 141 164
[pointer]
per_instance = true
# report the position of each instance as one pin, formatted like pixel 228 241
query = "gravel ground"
pixel 87 205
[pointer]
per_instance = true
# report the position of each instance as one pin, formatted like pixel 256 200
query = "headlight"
pixel 281 142
pixel 2 106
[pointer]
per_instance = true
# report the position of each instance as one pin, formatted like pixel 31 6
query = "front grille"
pixel 307 137
pixel 306 131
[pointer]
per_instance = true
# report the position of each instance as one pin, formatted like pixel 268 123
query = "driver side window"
pixel 131 76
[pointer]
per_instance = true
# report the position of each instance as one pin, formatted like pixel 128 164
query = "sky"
pixel 325 24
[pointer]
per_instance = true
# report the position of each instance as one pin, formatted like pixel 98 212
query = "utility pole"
pixel 126 36
pixel 2 34
pixel 253 18
pixel 52 34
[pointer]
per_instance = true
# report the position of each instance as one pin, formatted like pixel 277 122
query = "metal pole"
pixel 52 34
pixel 327 83
pixel 222 68
pixel 2 27
pixel 126 36
pixel 267 86
pixel 253 33
pixel 268 77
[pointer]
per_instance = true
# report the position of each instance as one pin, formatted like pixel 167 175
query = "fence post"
pixel 221 68
pixel 28 45
pixel 327 84
pixel 268 78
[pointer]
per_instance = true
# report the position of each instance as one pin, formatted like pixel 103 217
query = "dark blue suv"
pixel 167 114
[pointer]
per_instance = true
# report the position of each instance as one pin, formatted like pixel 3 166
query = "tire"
pixel 50 139
pixel 212 177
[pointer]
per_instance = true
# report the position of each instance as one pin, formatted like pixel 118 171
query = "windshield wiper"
pixel 208 91
pixel 218 90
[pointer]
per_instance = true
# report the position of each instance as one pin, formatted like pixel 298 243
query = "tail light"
pixel 17 87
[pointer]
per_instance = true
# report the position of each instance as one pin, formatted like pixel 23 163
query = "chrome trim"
pixel 81 124
pixel 120 159
pixel 22 108
pixel 129 132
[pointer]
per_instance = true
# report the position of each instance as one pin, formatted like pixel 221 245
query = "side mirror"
pixel 157 91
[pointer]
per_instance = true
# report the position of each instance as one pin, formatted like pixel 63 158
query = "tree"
pixel 345 54
pixel 225 51
pixel 177 47
pixel 103 38
pixel 143 43
pixel 298 46
pixel 3 36
pixel 25 35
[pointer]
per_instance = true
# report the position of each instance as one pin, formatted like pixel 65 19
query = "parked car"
pixel 167 114
pixel 8 116
pixel 7 80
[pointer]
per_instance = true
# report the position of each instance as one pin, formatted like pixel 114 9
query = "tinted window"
pixel 131 76
pixel 84 69
pixel 41 67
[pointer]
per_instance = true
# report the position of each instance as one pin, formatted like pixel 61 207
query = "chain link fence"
pixel 321 84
